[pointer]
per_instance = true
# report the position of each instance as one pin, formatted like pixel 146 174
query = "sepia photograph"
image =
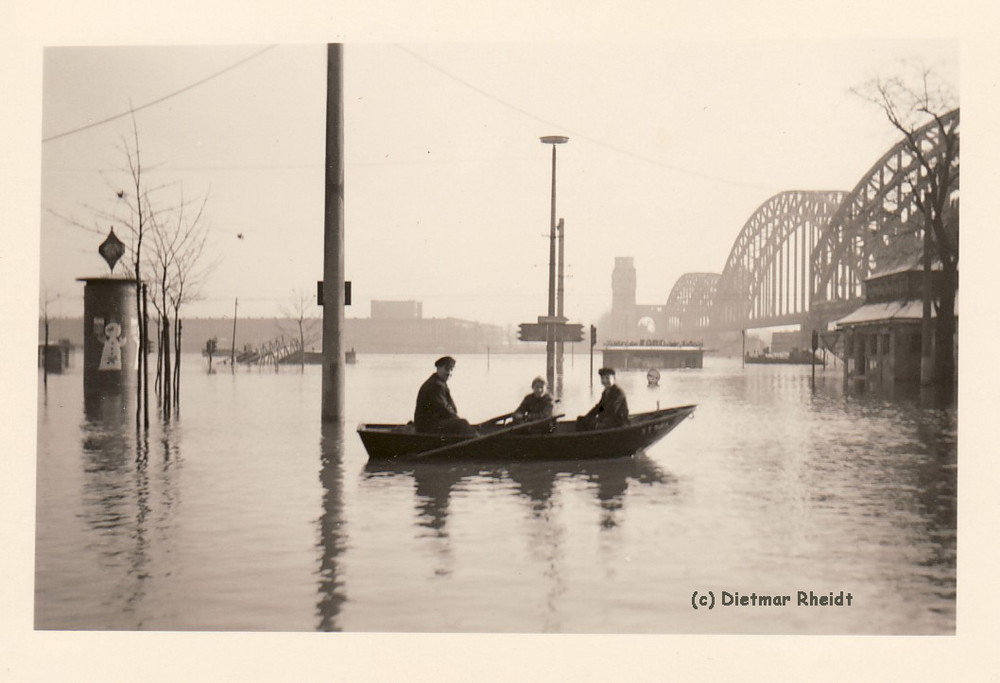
pixel 413 335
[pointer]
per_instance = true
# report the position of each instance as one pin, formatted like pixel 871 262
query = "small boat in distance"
pixel 499 439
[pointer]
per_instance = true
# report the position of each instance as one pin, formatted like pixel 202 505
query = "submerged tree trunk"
pixel 139 379
pixel 302 347
pixel 157 383
pixel 177 360
pixel 166 367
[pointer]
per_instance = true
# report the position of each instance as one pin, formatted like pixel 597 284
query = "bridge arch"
pixel 690 303
pixel 878 226
pixel 766 279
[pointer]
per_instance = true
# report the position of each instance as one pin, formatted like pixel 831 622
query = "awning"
pixel 899 311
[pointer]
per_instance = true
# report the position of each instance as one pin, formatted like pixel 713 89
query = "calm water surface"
pixel 245 513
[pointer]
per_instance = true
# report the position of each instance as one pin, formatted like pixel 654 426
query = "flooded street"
pixel 245 513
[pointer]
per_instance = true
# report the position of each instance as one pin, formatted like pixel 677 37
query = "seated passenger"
pixel 537 405
pixel 611 410
pixel 435 412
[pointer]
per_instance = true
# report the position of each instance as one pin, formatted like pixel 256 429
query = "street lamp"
pixel 549 330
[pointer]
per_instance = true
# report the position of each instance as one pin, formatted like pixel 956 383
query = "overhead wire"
pixel 577 134
pixel 158 100
pixel 445 73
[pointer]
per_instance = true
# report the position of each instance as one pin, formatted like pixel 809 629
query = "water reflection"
pixel 777 484
pixel 535 481
pixel 931 396
pixel 117 498
pixel 332 540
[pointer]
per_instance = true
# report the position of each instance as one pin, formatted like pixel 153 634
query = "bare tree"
pixel 924 108
pixel 47 298
pixel 179 270
pixel 301 311
pixel 190 271
pixel 141 215
pixel 164 244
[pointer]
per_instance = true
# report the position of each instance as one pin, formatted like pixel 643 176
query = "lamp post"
pixel 549 329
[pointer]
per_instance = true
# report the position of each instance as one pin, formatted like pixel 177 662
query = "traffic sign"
pixel 561 332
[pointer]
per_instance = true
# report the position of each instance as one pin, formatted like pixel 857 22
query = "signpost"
pixel 553 330
pixel 815 345
pixel 561 331
pixel 593 343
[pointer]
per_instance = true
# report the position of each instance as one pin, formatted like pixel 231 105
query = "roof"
pixel 900 311
pixel 890 310
pixel 651 347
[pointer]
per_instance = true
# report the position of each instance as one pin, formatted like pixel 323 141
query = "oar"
pixel 486 437
pixel 494 419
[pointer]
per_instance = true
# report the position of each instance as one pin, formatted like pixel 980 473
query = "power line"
pixel 613 148
pixel 160 99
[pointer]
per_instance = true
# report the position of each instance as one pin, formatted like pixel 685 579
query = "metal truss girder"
pixel 879 223
pixel 691 300
pixel 753 269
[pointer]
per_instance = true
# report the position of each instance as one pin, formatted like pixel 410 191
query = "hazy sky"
pixel 673 146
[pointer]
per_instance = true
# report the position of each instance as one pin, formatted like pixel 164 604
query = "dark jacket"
pixel 611 410
pixel 534 407
pixel 434 404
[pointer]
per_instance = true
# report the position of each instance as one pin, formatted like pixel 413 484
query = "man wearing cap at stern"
pixel 435 412
pixel 611 410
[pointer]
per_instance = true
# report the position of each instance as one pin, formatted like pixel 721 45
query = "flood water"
pixel 245 513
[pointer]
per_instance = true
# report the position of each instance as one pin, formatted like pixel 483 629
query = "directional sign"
pixel 569 333
pixel 531 332
pixel 536 332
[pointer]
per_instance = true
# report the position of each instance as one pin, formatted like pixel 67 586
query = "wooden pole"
pixel 593 339
pixel 333 241
pixel 232 347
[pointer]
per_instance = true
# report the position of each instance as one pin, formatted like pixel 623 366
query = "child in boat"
pixel 537 405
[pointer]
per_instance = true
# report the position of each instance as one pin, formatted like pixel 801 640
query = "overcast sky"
pixel 673 146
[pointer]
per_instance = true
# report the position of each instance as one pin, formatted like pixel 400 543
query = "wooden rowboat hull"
pixel 566 441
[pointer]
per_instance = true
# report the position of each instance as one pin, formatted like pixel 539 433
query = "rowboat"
pixel 499 439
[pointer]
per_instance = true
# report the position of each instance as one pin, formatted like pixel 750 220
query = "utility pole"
pixel 559 310
pixel 550 332
pixel 333 241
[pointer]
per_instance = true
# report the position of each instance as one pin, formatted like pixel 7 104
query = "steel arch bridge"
pixel 879 226
pixel 802 257
pixel 691 301
pixel 767 278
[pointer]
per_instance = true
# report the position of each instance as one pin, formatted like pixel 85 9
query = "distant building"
pixel 630 320
pixel 397 310
pixel 882 338
pixel 786 342
pixel 364 335
pixel 652 354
